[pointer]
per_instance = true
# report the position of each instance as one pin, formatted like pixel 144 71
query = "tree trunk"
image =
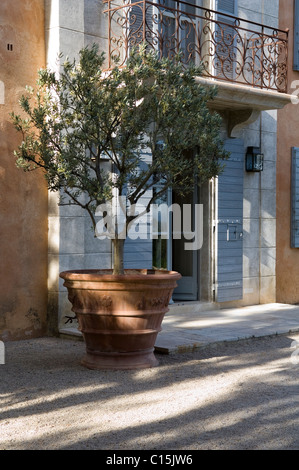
pixel 118 252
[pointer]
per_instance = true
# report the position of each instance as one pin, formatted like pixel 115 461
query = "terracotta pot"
pixel 120 316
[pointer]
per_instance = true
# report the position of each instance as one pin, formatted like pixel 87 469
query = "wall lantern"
pixel 254 159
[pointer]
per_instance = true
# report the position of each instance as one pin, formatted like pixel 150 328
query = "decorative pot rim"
pixel 129 276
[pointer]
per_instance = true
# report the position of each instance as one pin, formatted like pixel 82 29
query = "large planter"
pixel 120 316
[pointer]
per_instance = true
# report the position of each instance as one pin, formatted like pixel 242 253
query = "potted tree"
pixel 74 122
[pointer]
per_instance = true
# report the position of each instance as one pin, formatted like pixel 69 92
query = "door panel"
pixel 229 234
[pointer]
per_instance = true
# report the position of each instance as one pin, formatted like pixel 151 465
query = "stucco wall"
pixel 287 137
pixel 23 197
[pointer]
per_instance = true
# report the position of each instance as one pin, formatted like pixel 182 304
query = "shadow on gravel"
pixel 240 395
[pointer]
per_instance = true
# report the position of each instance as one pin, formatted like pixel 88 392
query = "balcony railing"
pixel 229 48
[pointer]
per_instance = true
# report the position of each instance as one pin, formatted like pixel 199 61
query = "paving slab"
pixel 188 328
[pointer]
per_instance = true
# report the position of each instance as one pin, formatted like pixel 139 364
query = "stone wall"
pixel 259 242
pixel 70 26
pixel 260 215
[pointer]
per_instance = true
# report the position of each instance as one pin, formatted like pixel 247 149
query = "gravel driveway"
pixel 240 395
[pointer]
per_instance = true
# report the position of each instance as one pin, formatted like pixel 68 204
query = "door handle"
pixel 232 233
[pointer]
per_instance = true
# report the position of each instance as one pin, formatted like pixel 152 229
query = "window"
pixel 179 29
pixel 295 199
pixel 296 36
pixel 225 38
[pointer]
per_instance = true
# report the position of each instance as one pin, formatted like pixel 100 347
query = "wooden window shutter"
pixel 225 34
pixel 140 28
pixel 227 6
pixel 295 199
pixel 296 36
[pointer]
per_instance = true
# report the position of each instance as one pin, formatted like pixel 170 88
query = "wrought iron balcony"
pixel 229 48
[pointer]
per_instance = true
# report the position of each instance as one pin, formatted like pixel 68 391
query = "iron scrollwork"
pixel 228 48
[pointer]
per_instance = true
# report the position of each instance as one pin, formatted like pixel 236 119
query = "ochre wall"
pixel 23 196
pixel 287 269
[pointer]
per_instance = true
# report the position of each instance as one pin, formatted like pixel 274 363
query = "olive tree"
pixel 71 120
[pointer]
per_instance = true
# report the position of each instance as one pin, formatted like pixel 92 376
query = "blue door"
pixel 229 233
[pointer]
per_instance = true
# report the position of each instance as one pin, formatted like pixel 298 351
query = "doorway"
pixel 170 253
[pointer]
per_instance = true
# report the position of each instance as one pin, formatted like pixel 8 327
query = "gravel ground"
pixel 240 395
